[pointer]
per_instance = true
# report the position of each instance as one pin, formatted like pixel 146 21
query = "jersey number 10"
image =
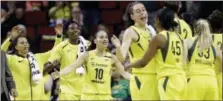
pixel 99 73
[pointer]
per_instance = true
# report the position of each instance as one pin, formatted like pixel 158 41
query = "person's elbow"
pixel 143 63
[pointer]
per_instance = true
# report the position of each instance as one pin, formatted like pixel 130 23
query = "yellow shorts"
pixel 144 87
pixel 95 97
pixel 219 79
pixel 202 87
pixel 172 87
pixel 67 96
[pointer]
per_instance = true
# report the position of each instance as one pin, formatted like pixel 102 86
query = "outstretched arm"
pixel 74 65
pixel 120 68
pixel 157 42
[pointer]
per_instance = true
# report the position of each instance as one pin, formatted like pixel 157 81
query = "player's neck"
pixel 22 54
pixel 73 41
pixel 141 26
pixel 100 52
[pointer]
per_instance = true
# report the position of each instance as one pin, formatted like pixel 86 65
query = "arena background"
pixel 35 16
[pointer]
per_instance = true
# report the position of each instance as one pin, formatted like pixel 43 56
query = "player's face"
pixel 101 39
pixel 73 31
pixel 140 14
pixel 22 45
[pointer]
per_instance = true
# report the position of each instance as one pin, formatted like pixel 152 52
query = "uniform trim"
pixel 191 50
pixel 64 46
pixel 165 83
pixel 188 80
pixel 137 35
pixel 140 46
pixel 179 27
pixel 164 50
pixel 214 51
pixel 130 51
pixel 138 83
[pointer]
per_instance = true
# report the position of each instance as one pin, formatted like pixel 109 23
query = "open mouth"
pixel 105 43
pixel 144 18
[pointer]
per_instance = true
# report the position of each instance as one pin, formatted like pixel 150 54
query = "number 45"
pixel 176 50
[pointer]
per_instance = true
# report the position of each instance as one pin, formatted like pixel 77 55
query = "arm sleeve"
pixel 5 45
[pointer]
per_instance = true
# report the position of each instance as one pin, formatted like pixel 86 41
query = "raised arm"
pixel 129 36
pixel 157 42
pixel 74 65
pixel 120 68
pixel 13 34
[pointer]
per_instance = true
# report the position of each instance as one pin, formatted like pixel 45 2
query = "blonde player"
pixel 183 28
pixel 135 41
pixel 98 64
pixel 66 53
pixel 20 64
pixel 167 49
pixel 202 82
pixel 215 20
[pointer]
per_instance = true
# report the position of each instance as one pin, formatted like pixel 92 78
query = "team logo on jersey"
pixel 93 64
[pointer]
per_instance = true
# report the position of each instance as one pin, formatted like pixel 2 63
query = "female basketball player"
pixel 167 49
pixel 98 64
pixel 215 20
pixel 135 41
pixel 202 82
pixel 27 68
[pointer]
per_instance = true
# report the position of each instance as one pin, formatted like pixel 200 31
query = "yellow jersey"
pixel 217 41
pixel 138 49
pixel 19 66
pixel 169 58
pixel 201 62
pixel 98 74
pixel 66 53
pixel 184 29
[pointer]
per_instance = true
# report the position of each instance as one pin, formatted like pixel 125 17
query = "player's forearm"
pixel 5 45
pixel 119 54
pixel 121 70
pixel 58 39
pixel 138 64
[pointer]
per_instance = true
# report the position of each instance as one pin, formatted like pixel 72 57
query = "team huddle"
pixel 168 63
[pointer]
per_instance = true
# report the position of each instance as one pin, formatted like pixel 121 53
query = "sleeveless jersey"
pixel 169 58
pixel 201 62
pixel 217 41
pixel 184 29
pixel 98 74
pixel 138 49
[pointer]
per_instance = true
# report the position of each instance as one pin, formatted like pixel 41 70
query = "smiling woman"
pixel 98 63
pixel 135 42
pixel 26 67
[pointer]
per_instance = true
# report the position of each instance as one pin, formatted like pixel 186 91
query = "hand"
pixel 115 41
pixel 14 93
pixel 59 29
pixel 14 33
pixel 127 68
pixel 55 74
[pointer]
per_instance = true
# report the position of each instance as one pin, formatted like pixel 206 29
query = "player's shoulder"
pixel 130 30
pixel 62 44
